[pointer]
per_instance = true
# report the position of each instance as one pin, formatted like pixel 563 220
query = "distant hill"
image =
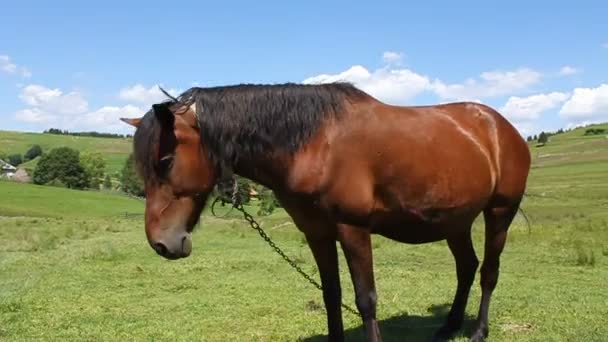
pixel 570 147
pixel 573 147
pixel 114 150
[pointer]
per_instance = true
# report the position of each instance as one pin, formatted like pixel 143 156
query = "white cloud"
pixel 525 128
pixel 399 85
pixel 53 100
pixel 489 84
pixel 531 107
pixel 605 45
pixel 568 70
pixel 390 85
pixel 6 65
pixel 35 116
pixel 49 107
pixel 587 104
pixel 391 57
pixel 107 118
pixel 140 94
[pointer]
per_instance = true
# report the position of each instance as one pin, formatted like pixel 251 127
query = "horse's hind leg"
pixel 461 247
pixel 497 219
pixel 356 244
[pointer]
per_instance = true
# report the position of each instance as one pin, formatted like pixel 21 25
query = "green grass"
pixel 45 201
pixel 114 151
pixel 73 267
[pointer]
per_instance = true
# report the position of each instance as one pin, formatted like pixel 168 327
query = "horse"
pixel 344 165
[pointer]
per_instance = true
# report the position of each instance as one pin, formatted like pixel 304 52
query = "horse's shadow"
pixel 405 328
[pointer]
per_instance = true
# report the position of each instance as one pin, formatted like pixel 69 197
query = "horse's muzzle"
pixel 174 247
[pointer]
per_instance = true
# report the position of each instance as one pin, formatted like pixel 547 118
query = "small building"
pixel 7 170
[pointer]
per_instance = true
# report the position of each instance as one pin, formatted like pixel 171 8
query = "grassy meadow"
pixel 115 151
pixel 76 266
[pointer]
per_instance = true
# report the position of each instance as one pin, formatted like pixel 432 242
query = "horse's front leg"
pixel 325 252
pixel 357 247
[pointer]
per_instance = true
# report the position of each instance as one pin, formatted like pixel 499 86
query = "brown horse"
pixel 343 165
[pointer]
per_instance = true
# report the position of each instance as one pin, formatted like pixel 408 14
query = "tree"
pixel 543 138
pixel 61 166
pixel 268 202
pixel 33 152
pixel 15 159
pixel 94 165
pixel 107 183
pixel 131 183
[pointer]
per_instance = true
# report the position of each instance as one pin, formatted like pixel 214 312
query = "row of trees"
pixel 85 134
pixel 543 137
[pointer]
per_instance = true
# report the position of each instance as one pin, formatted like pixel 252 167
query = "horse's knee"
pixel 489 275
pixel 468 269
pixel 366 303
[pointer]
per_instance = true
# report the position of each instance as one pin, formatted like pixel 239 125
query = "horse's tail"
pixel 523 213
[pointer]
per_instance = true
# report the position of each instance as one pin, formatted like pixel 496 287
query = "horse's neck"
pixel 269 172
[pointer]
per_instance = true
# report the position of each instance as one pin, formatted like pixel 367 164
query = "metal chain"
pixel 264 236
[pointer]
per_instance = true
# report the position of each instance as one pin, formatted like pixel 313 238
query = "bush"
pixel 56 183
pixel 62 164
pixel 107 183
pixel 94 166
pixel 595 131
pixel 15 159
pixel 131 183
pixel 268 202
pixel 33 152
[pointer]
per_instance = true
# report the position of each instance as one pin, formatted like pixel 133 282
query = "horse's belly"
pixel 421 227
pixel 413 234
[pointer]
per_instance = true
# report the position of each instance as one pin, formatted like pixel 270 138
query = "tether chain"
pixel 260 231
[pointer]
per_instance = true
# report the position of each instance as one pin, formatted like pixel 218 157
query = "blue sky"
pixel 80 66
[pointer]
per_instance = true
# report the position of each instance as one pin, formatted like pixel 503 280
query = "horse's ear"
pixel 131 121
pixel 163 113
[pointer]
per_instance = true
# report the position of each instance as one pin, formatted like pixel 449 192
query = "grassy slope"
pixel 45 201
pixel 82 275
pixel 115 151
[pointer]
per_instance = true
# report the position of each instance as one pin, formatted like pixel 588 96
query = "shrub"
pixel 268 202
pixel 33 152
pixel 61 164
pixel 94 165
pixel 15 159
pixel 131 183
pixel 107 183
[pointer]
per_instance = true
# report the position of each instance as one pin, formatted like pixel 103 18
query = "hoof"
pixel 479 336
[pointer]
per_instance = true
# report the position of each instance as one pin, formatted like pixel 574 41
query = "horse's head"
pixel 177 172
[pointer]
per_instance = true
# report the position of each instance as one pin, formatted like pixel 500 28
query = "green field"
pixel 114 151
pixel 76 266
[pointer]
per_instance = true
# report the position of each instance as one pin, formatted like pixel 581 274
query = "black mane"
pixel 251 120
pixel 248 121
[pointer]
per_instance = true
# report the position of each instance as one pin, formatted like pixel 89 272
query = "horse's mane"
pixel 251 120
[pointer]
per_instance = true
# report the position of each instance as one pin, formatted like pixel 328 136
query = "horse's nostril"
pixel 160 248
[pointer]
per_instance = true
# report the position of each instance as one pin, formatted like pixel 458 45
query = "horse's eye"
pixel 165 163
